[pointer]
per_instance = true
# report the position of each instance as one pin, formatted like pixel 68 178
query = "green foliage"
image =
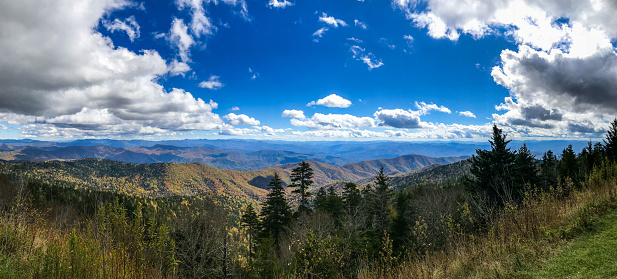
pixel 548 170
pixel 610 142
pixel 276 213
pixel 301 178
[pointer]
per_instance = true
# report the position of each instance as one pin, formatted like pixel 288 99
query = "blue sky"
pixel 395 70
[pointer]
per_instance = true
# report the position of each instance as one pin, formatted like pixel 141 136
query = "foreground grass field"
pixel 592 255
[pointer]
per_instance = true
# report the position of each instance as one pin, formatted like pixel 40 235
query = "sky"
pixel 307 69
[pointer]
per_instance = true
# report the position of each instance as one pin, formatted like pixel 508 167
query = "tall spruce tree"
pixel 568 166
pixel 320 199
pixel 610 143
pixel 526 169
pixel 493 170
pixel 301 180
pixel 548 170
pixel 351 197
pixel 275 213
pixel 250 221
pixel 381 202
pixel 401 224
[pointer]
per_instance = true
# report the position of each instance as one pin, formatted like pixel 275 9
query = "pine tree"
pixel 381 202
pixel 610 143
pixel 250 221
pixel 526 169
pixel 276 213
pixel 334 204
pixel 351 196
pixel 401 224
pixel 493 170
pixel 568 166
pixel 301 180
pixel 548 169
pixel 320 199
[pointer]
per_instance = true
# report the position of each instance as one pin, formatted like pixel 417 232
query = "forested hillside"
pixel 493 215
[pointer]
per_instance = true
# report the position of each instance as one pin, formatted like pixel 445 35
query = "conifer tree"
pixel 526 169
pixel 567 165
pixel 401 224
pixel 334 204
pixel 276 213
pixel 351 196
pixel 381 201
pixel 320 199
pixel 493 170
pixel 610 143
pixel 250 221
pixel 301 180
pixel 548 169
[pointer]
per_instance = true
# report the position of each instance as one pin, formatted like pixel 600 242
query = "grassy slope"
pixel 590 256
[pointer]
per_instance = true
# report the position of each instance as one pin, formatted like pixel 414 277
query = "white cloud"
pixel 178 35
pixel 369 59
pixel 332 21
pixel 292 113
pixel 399 118
pixel 82 78
pixel 562 77
pixel 354 39
pixel 200 23
pixel 279 4
pixel 213 83
pixel 235 108
pixel 333 121
pixel 319 33
pixel 360 24
pixel 178 68
pixel 424 108
pixel 467 114
pixel 241 119
pixel 331 101
pixel 129 25
pixel 409 40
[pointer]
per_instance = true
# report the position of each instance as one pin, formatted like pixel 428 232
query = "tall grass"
pixel 519 237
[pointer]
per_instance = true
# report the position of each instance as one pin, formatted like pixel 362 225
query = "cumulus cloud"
pixel 241 119
pixel 399 118
pixel 213 83
pixel 331 101
pixel 467 114
pixel 332 21
pixel 292 113
pixel 178 35
pixel 235 108
pixel 367 58
pixel 177 68
pixel 129 25
pixel 279 4
pixel 562 78
pixel 333 121
pixel 81 76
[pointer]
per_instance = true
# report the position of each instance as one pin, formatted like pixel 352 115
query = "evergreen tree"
pixel 567 165
pixel 351 196
pixel 401 224
pixel 381 202
pixel 301 180
pixel 610 143
pixel 493 170
pixel 276 213
pixel 250 221
pixel 334 204
pixel 320 199
pixel 526 169
pixel 548 169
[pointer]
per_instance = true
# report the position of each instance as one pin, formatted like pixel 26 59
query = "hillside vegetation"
pixel 505 214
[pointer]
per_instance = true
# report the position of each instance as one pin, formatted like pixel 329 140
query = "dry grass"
pixel 519 238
